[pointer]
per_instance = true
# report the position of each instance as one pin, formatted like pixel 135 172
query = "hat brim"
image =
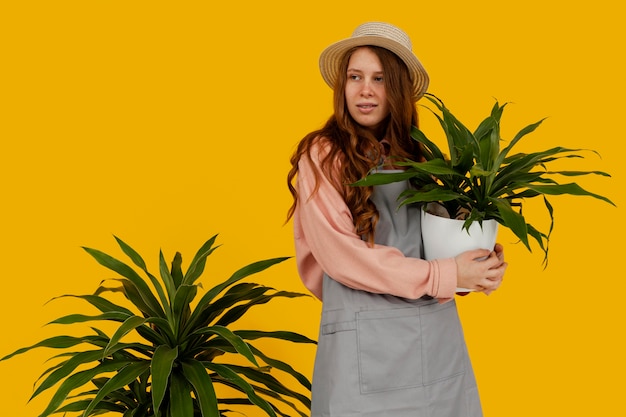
pixel 331 57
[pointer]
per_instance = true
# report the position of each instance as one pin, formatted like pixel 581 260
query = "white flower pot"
pixel 445 238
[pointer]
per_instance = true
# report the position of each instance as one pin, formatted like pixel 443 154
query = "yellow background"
pixel 167 122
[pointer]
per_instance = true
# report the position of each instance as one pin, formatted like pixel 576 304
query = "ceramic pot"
pixel 445 238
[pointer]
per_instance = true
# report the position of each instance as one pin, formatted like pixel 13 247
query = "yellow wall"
pixel 167 122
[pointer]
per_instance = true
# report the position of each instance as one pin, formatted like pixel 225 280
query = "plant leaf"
pixel 161 368
pixel 283 366
pixel 240 274
pixel 56 342
pixel 526 130
pixel 131 253
pixel 81 318
pixel 513 220
pixel 380 178
pixel 571 189
pixel 79 406
pixel 69 366
pixel 121 378
pixel 181 402
pixel 430 149
pixel 101 303
pixel 197 376
pixel 237 342
pixel 237 312
pixel 270 382
pixel 281 335
pixel 138 260
pixel 229 374
pixel 176 270
pixel 124 270
pixel 128 326
pixel 166 276
pixel 199 260
pixel 184 295
pixel 77 380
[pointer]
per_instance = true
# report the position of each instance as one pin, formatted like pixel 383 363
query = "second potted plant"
pixel 182 345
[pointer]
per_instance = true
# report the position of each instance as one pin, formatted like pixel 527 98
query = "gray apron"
pixel 380 355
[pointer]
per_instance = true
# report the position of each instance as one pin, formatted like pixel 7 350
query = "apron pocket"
pixel 389 349
pixel 409 347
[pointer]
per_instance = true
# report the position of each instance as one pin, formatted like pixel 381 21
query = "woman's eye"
pixel 354 77
pixel 379 79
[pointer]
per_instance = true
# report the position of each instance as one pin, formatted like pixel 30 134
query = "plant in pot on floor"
pixel 181 346
pixel 479 185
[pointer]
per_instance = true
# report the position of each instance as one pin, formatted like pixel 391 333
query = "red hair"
pixel 355 148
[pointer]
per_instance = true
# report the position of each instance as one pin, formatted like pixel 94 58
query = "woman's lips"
pixel 366 108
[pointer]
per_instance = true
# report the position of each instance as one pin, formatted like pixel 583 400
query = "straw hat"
pixel 376 34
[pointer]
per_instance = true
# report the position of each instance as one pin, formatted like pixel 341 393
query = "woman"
pixel 390 341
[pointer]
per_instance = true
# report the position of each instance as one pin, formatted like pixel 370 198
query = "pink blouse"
pixel 326 241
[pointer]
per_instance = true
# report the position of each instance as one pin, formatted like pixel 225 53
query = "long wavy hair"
pixel 355 150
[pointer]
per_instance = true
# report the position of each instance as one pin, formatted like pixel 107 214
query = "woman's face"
pixel 366 98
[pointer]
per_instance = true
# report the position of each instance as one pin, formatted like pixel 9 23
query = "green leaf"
pixel 432 151
pixel 439 194
pixel 281 335
pixel 81 318
pixel 166 276
pixel 128 326
pixel 56 342
pixel 513 220
pixel 152 336
pixel 80 358
pixel 272 394
pixel 68 367
pixel 79 406
pixel 131 292
pixel 540 237
pixel 464 162
pixel 161 368
pixel 578 173
pixel 244 272
pixel 197 376
pixel 77 380
pixel 283 366
pixel 176 271
pixel 163 327
pixel 138 260
pixel 238 293
pixel 261 390
pixel 525 131
pixel 127 272
pixel 237 312
pixel 270 382
pixel 383 178
pixel 199 260
pixel 236 341
pixel 230 375
pixel 132 254
pixel 122 378
pixel 101 303
pixel 571 189
pixel 181 402
pixel 184 295
pixel 205 301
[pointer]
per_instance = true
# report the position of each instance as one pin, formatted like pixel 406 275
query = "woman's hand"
pixel 481 275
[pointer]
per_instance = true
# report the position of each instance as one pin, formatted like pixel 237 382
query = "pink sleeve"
pixel 325 240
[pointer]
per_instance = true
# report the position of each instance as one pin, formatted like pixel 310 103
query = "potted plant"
pixel 181 347
pixel 480 183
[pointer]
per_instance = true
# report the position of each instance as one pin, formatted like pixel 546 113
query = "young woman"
pixel 390 341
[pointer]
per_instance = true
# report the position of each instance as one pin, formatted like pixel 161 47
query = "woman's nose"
pixel 366 90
